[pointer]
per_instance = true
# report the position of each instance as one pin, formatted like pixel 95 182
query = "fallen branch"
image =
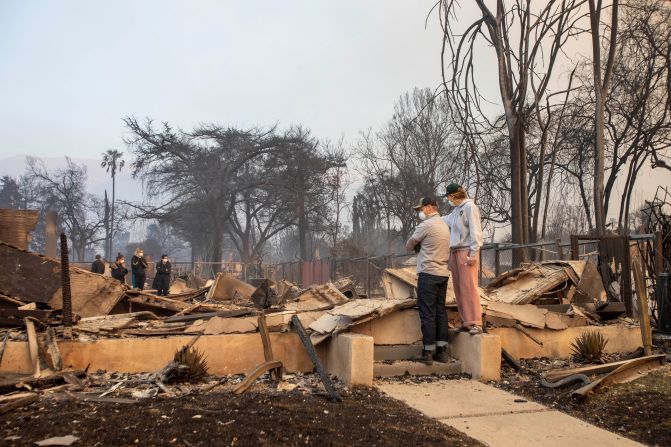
pixel 258 372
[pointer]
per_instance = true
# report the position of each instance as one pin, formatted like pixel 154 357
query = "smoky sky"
pixel 70 70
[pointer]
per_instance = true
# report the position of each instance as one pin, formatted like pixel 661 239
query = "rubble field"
pixel 263 416
pixel 638 409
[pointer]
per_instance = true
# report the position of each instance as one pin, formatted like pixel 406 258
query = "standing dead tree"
pixel 64 190
pixel 527 41
pixel 201 171
pixel 602 77
pixel 413 155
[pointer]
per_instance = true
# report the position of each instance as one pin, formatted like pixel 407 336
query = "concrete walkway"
pixel 499 418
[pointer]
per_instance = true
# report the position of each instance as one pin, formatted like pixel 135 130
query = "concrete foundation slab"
pixel 405 367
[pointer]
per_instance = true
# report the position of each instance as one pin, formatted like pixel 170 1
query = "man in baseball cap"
pixel 433 237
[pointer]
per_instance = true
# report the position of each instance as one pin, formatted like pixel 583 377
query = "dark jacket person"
pixel 162 278
pixel 98 265
pixel 119 270
pixel 432 235
pixel 138 265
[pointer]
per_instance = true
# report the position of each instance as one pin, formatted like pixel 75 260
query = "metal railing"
pixel 366 272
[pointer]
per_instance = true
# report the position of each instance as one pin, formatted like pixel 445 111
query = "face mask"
pixel 422 216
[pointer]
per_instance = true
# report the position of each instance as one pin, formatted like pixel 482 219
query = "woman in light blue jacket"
pixel 465 243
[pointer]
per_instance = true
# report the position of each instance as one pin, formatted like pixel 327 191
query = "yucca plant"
pixel 192 363
pixel 589 346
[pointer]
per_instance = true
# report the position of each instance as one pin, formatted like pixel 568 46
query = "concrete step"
pixel 397 352
pixel 403 367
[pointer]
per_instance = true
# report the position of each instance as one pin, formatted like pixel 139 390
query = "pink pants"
pixel 465 283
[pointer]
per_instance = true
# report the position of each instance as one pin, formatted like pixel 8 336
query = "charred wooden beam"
pixel 307 343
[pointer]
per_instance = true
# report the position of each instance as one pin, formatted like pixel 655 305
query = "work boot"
pixel 426 358
pixel 441 354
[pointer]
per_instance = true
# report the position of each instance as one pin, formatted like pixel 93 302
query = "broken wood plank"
pixel 42 315
pixel 218 325
pixel 4 346
pixel 60 388
pixel 267 346
pixel 258 372
pixel 526 314
pixel 49 349
pixel 10 385
pixel 556 374
pixel 17 401
pixel 143 315
pixel 643 313
pixel 33 347
pixel 321 297
pixel 91 398
pixel 312 353
pixel 265 339
pixel 157 302
pixel 51 352
pixel 150 332
pixel 227 288
pixel 625 373
pixel 205 316
pixel 188 310
pixel 31 277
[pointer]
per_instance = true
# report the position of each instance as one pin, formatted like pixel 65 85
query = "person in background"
pixel 138 265
pixel 465 243
pixel 98 266
pixel 433 238
pixel 119 270
pixel 162 277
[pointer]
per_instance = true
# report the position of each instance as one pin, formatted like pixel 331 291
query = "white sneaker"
pixel 475 330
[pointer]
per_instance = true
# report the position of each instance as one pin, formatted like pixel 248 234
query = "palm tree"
pixel 113 162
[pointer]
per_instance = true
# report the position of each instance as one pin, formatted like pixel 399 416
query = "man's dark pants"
pixel 431 290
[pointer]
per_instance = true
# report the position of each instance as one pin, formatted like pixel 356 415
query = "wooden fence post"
pixel 575 249
pixel 659 253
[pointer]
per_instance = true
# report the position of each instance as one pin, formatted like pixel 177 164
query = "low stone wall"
pixel 557 344
pixel 347 356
